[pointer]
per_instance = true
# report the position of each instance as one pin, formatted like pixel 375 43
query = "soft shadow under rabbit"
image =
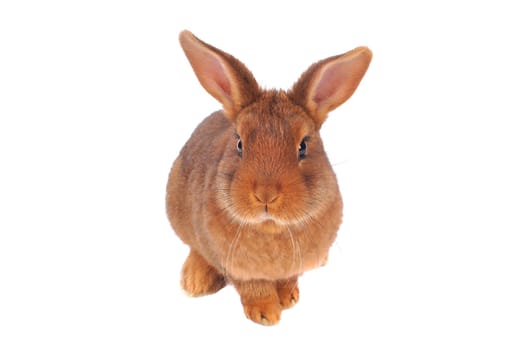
pixel 252 192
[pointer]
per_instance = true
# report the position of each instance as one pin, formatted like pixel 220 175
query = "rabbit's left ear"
pixel 329 83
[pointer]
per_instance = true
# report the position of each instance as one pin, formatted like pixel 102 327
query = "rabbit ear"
pixel 222 75
pixel 329 83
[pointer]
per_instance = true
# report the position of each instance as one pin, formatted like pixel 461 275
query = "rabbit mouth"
pixel 272 220
pixel 262 215
pixel 269 223
pixel 267 216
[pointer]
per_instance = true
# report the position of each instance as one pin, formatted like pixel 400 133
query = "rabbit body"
pixel 252 192
pixel 253 247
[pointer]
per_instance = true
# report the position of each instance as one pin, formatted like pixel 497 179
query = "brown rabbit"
pixel 252 191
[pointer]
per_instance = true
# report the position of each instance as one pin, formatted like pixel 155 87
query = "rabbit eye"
pixel 302 148
pixel 239 147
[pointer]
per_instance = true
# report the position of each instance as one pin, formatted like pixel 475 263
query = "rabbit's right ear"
pixel 222 75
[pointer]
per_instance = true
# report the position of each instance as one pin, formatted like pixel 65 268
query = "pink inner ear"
pixel 217 75
pixel 331 79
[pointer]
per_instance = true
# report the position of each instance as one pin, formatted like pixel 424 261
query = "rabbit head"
pixel 275 171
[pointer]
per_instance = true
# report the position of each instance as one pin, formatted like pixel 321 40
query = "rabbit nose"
pixel 266 194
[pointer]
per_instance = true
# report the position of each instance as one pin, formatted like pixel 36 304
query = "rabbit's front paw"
pixel 288 293
pixel 263 311
pixel 199 278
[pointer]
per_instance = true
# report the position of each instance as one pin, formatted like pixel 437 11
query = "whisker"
pixel 296 252
pixel 307 219
pixel 229 259
pixel 342 162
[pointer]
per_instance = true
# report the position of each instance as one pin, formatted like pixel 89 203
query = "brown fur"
pixel 260 219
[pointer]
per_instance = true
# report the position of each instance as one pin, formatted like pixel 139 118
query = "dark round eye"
pixel 239 146
pixel 302 148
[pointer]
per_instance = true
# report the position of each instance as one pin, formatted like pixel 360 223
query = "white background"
pixel 96 99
